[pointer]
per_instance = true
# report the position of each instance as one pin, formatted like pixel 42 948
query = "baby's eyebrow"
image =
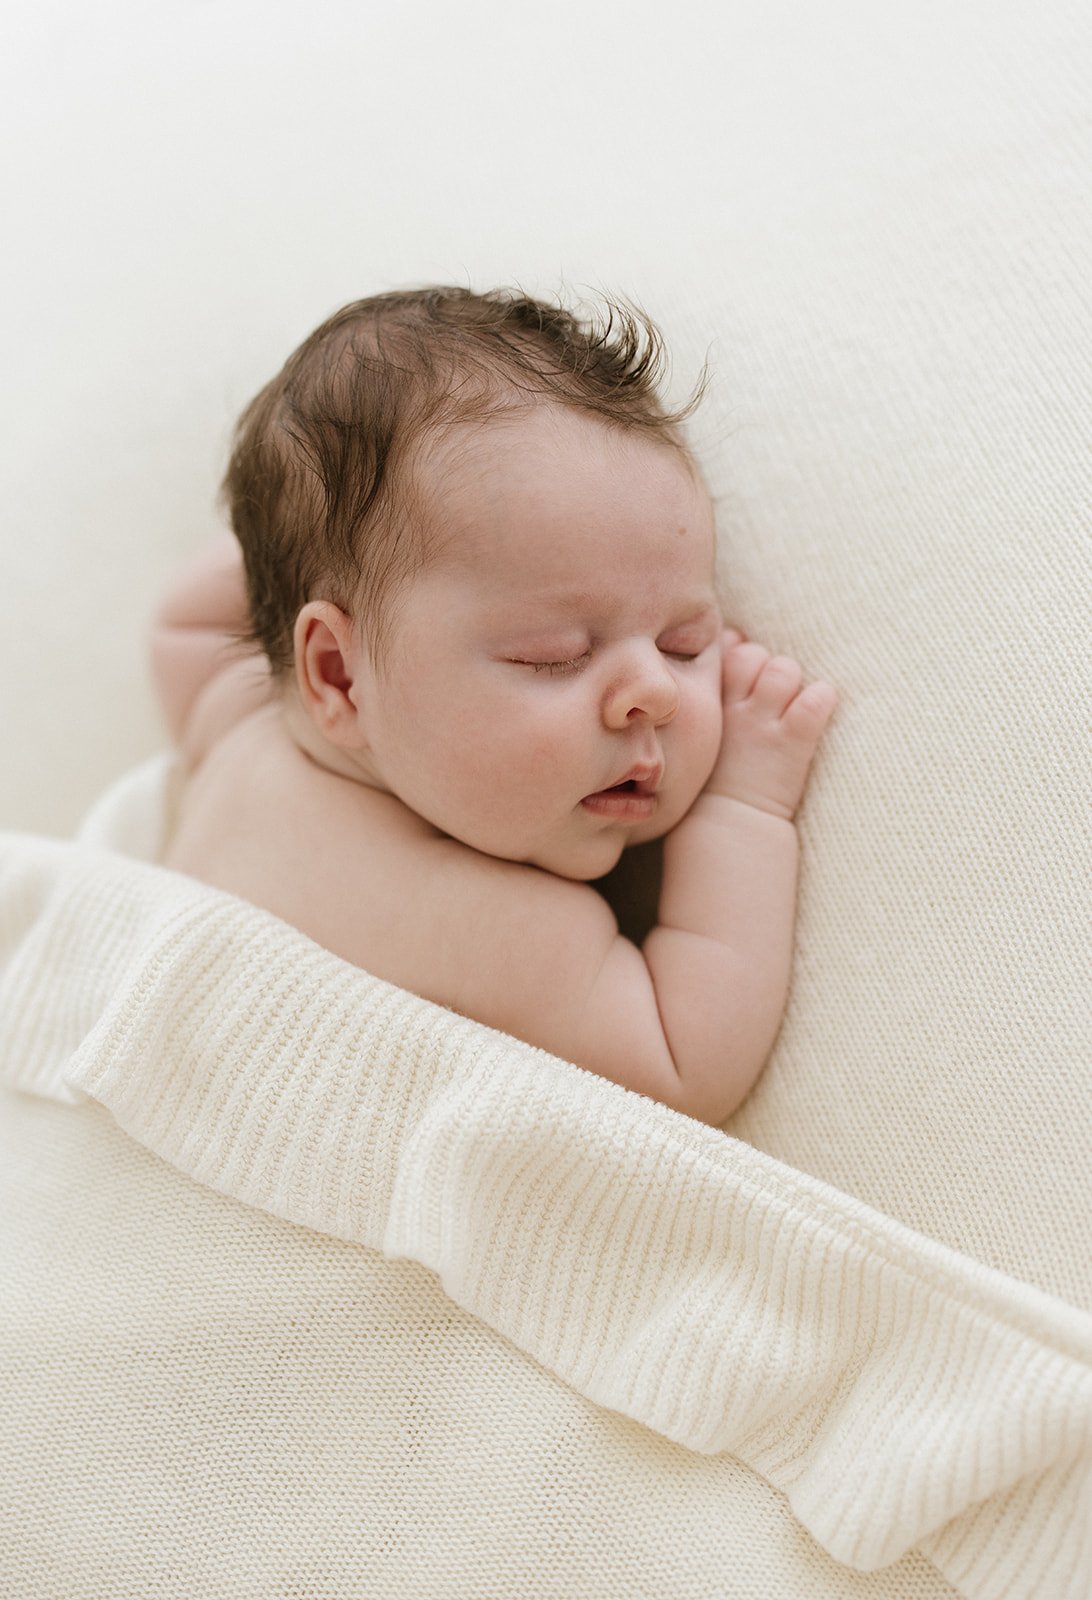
pixel 584 601
pixel 700 611
pixel 576 600
pixel 703 613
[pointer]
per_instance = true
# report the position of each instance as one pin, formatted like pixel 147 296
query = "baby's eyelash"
pixel 558 668
pixel 554 667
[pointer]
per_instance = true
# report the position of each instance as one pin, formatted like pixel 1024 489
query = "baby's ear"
pixel 329 658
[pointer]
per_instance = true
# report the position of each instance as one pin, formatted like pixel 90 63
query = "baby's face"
pixel 563 639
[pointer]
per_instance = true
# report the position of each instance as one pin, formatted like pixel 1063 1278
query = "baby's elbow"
pixel 714 1095
pixel 713 1110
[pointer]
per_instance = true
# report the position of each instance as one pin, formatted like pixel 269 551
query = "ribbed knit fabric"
pixel 899 1394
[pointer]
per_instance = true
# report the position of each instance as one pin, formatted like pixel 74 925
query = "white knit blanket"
pixel 899 1394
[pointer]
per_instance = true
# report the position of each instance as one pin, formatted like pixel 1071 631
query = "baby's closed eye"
pixel 685 645
pixel 571 664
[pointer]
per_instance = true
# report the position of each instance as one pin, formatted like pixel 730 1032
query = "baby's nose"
pixel 644 691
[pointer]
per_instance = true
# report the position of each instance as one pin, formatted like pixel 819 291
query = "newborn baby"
pixel 479 560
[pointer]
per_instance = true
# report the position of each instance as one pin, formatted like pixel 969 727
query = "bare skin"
pixel 559 686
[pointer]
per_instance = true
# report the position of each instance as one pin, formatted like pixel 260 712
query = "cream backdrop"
pixel 875 221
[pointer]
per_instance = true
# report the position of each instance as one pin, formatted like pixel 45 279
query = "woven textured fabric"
pixel 898 437
pixel 899 1395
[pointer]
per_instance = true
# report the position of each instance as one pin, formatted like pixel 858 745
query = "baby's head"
pixel 471 531
pixel 324 484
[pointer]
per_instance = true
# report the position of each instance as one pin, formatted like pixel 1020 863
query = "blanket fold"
pixel 899 1394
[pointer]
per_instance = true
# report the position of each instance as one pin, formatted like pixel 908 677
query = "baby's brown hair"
pixel 318 487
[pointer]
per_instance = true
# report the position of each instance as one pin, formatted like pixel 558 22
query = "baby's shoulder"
pixel 255 807
pixel 249 768
pixel 367 878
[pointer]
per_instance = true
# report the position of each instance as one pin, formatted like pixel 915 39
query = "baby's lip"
pixel 645 777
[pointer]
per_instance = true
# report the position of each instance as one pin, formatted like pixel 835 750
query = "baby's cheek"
pixel 690 762
pixel 704 731
pixel 543 757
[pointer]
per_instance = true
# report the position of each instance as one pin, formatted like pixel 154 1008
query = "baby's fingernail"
pixel 732 636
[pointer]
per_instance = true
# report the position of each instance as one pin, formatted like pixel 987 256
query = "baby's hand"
pixel 772 728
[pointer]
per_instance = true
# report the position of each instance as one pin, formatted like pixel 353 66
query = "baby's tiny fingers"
pixel 822 693
pixel 815 704
pixel 778 683
pixel 742 665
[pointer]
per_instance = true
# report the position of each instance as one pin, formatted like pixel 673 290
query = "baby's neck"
pixel 313 743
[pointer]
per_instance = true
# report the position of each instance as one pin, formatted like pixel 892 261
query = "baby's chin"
pixel 648 831
pixel 660 824
pixel 598 856
pixel 593 859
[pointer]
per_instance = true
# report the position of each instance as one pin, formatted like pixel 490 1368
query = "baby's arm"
pixel 721 955
pixel 204 680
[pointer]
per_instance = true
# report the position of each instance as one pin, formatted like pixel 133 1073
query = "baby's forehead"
pixel 512 424
pixel 548 456
pixel 569 523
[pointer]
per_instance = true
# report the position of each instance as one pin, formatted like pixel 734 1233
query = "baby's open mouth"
pixel 632 800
